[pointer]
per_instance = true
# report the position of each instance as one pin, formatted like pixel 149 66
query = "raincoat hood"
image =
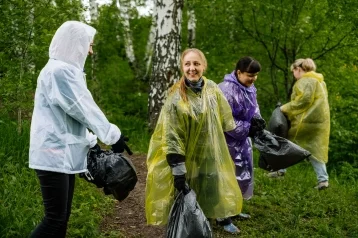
pixel 232 79
pixel 314 75
pixel 71 43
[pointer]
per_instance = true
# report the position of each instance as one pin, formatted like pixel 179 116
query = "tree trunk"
pixel 128 40
pixel 165 68
pixel 93 10
pixel 150 45
pixel 94 56
pixel 191 28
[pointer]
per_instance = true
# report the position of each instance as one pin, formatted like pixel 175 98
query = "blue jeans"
pixel 57 193
pixel 319 168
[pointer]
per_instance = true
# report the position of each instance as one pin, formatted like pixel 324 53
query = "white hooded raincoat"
pixel 64 108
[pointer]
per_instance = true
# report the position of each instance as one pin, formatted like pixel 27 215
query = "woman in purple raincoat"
pixel 238 88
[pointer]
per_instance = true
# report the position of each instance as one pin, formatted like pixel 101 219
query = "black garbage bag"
pixel 186 219
pixel 278 123
pixel 277 152
pixel 111 171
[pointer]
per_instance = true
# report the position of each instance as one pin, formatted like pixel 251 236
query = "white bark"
pixel 94 16
pixel 191 28
pixel 128 41
pixel 93 10
pixel 150 43
pixel 165 68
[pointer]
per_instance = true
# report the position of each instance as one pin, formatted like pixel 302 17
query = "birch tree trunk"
pixel 165 68
pixel 93 10
pixel 191 27
pixel 150 45
pixel 124 6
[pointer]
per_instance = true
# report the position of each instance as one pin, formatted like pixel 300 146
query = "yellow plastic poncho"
pixel 308 112
pixel 194 129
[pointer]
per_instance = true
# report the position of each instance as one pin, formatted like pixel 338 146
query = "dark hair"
pixel 247 64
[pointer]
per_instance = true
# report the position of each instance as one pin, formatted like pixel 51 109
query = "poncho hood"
pixel 314 75
pixel 232 79
pixel 71 43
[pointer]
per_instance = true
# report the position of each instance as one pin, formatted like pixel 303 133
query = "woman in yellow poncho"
pixel 308 112
pixel 188 147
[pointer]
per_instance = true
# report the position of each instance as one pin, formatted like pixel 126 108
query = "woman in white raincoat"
pixel 189 146
pixel 59 139
pixel 308 112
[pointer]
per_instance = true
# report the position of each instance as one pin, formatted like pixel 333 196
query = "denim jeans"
pixel 319 168
pixel 57 193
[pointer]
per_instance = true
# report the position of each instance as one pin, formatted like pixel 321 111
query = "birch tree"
pixel 124 7
pixel 165 68
pixel 93 10
pixel 191 27
pixel 94 17
pixel 150 44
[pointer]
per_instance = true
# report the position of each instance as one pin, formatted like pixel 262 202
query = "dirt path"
pixel 129 215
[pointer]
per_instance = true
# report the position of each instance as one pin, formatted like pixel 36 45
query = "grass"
pixel 290 207
pixel 285 207
pixel 21 206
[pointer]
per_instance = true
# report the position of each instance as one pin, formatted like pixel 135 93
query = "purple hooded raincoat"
pixel 244 106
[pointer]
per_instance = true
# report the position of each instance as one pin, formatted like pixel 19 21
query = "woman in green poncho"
pixel 188 147
pixel 308 112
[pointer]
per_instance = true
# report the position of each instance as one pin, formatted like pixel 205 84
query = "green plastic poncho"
pixel 308 112
pixel 194 129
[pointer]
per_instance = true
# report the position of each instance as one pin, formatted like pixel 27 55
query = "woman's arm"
pixel 304 90
pixel 71 94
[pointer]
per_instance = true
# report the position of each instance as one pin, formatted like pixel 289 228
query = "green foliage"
pixel 342 84
pixel 21 207
pixel 27 28
pixel 116 89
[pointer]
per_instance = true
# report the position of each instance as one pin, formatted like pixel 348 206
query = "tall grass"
pixel 21 206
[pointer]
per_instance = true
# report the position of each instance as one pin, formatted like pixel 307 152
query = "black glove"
pixel 177 164
pixel 96 148
pixel 121 145
pixel 180 184
pixel 257 124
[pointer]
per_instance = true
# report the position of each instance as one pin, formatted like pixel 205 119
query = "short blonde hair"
pixel 306 64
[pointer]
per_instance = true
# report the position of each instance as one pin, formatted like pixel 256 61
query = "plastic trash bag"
pixel 277 152
pixel 111 171
pixel 278 123
pixel 186 219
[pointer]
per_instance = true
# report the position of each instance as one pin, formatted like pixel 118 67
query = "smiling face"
pixel 246 79
pixel 193 66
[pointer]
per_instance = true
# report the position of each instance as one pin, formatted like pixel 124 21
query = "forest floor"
pixel 129 215
pixel 285 207
pixel 128 218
